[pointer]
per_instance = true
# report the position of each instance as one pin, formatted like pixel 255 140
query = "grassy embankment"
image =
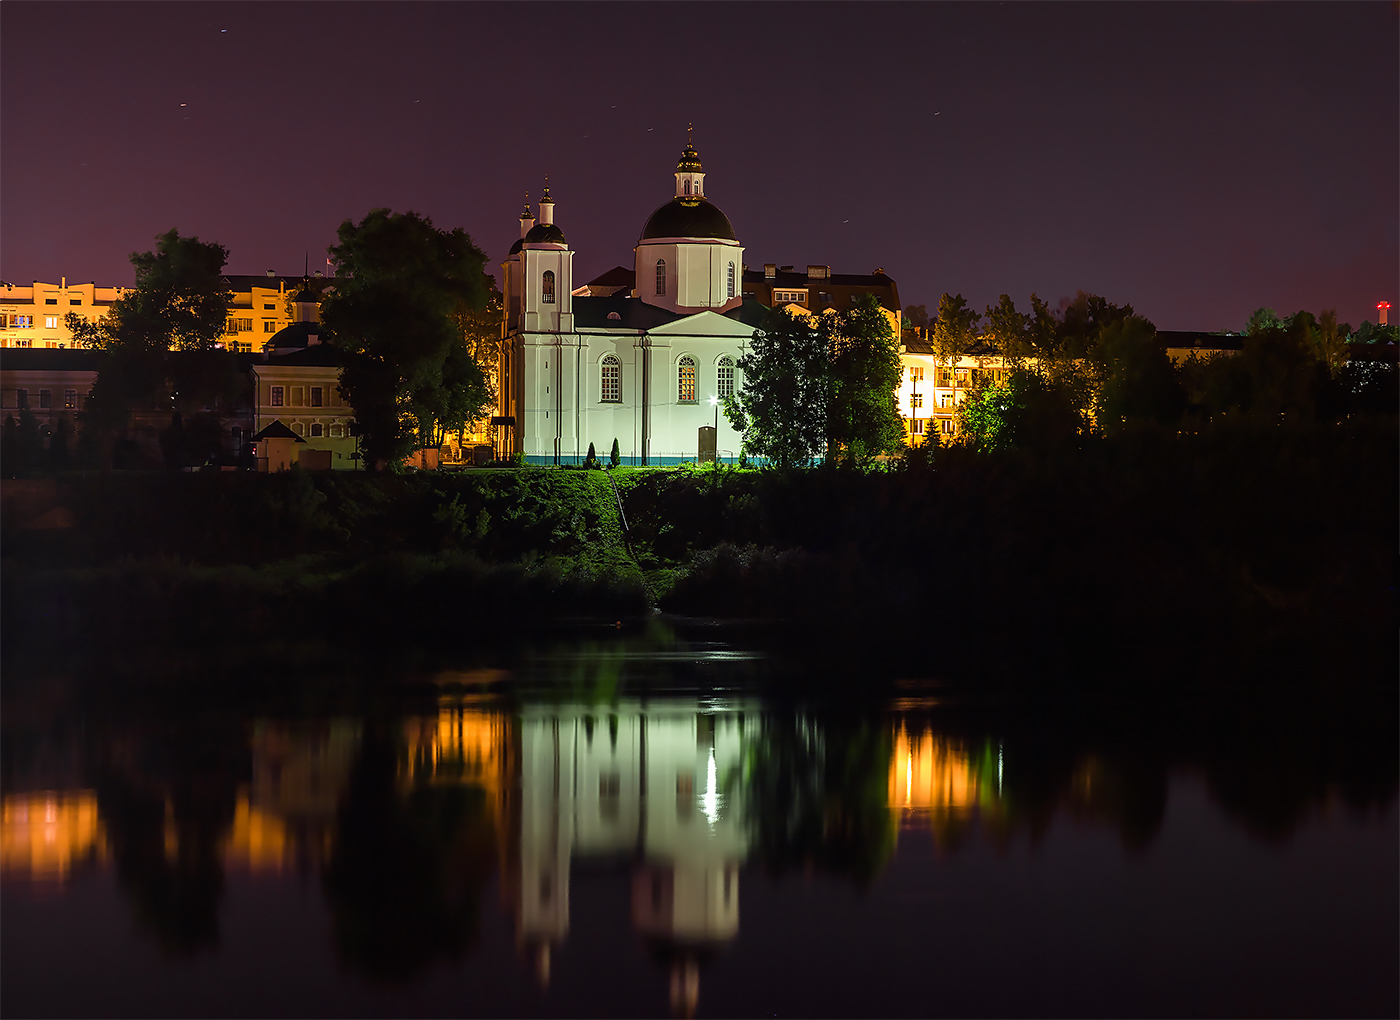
pixel 1266 551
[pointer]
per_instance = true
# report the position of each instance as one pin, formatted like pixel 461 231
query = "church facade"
pixel 646 365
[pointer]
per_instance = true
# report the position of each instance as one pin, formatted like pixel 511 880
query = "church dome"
pixel 545 233
pixel 688 217
pixel 690 159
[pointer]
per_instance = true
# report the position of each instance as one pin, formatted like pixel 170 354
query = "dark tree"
pixel 863 419
pixel 399 315
pixel 781 407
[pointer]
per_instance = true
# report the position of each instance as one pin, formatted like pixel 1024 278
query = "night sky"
pixel 1196 161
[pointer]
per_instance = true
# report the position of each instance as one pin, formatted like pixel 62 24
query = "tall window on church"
pixel 612 380
pixel 686 393
pixel 726 377
pixel 731 279
pixel 687 186
pixel 660 277
pixel 547 292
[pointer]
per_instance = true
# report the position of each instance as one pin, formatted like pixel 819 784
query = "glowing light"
pixel 45 834
pixel 709 803
pixel 999 764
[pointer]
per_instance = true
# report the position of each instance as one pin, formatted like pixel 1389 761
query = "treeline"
pixel 1097 367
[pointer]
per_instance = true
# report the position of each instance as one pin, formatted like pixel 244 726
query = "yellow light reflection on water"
pixel 258 840
pixel 43 835
pixel 458 745
pixel 930 771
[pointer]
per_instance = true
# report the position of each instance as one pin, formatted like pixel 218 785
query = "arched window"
pixel 660 277
pixel 547 291
pixel 612 380
pixel 731 279
pixel 687 380
pixel 316 430
pixel 687 186
pixel 726 377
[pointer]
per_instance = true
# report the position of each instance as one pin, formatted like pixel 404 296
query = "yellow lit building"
pixel 930 390
pixel 34 315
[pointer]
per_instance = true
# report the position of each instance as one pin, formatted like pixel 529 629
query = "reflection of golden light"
pixel 934 772
pixel 458 745
pixel 45 834
pixel 258 840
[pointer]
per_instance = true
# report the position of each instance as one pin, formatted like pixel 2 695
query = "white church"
pixel 646 365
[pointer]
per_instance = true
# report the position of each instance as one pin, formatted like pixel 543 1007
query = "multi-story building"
pixel 35 315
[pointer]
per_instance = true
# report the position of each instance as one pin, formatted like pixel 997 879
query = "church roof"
pixel 545 233
pixel 750 313
pixel 689 161
pixel 617 276
pixel 632 313
pixel 295 335
pixel 689 217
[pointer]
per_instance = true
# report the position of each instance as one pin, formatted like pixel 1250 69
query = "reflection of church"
pixel 659 786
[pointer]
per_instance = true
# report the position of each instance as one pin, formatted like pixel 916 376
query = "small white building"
pixel 645 366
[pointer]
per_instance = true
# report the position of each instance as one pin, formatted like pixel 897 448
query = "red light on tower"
pixel 1383 308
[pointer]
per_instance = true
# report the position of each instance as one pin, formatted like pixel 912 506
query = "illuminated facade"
pixel 34 316
pixel 645 365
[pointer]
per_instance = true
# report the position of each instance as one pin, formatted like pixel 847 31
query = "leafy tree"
pixel 399 315
pixel 954 331
pixel 1371 333
pixel 180 303
pixel 781 409
pixel 862 416
pixel 1261 321
pixel 1009 330
pixel 1137 382
pixel 1330 342
pixel 1029 412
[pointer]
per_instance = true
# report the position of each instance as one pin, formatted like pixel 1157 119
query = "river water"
pixel 648 830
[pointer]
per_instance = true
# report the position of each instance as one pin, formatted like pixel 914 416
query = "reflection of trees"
pixel 167 797
pixel 406 874
pixel 818 797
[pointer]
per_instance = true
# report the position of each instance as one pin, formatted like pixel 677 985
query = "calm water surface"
pixel 587 844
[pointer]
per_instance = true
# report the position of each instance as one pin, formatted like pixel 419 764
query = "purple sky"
pixel 1196 161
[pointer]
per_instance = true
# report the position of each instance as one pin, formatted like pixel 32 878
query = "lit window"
pixel 316 430
pixel 731 279
pixel 316 396
pixel 660 277
pixel 916 400
pixel 915 373
pixel 548 289
pixel 945 400
pixel 612 380
pixel 70 399
pixel 22 321
pixel 726 377
pixel 687 380
pixel 51 322
pixel 275 396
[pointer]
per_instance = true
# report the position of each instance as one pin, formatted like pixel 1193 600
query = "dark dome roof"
pixel 688 217
pixel 516 246
pixel 545 233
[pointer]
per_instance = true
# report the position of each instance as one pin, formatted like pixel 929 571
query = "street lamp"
pixel 714 402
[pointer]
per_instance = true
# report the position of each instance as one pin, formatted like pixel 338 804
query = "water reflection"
pixel 407 823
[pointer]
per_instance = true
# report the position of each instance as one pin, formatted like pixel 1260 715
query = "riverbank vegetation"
pixel 1242 546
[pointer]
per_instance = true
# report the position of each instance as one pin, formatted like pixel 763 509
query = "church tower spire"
pixel 690 180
